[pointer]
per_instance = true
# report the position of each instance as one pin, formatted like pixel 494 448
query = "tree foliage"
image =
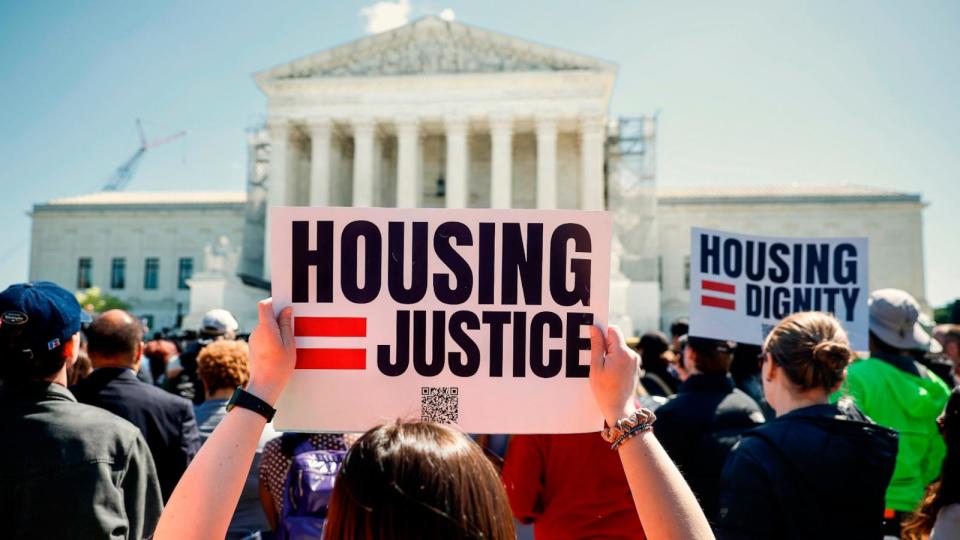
pixel 947 313
pixel 96 301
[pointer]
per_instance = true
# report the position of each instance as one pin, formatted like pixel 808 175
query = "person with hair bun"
pixel 819 470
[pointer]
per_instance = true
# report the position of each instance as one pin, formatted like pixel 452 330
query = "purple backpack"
pixel 307 491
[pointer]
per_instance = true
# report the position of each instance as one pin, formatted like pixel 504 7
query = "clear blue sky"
pixel 751 92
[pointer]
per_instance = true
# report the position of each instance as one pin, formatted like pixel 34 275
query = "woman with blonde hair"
pixel 818 470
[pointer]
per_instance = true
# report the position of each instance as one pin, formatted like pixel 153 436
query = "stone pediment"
pixel 432 46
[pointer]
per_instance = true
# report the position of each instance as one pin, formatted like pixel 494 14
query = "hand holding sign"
pixel 614 368
pixel 272 352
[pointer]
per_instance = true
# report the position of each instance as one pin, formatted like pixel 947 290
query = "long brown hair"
pixel 413 480
pixel 946 490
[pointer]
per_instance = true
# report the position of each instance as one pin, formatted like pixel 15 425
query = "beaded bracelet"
pixel 629 434
pixel 626 428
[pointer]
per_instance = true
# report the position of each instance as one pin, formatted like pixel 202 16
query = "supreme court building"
pixel 438 114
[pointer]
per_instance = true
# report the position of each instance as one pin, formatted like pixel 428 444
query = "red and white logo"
pixel 331 357
pixel 727 290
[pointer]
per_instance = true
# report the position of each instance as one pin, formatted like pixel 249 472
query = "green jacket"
pixel 910 404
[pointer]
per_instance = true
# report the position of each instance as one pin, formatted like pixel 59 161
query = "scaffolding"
pixel 632 195
pixel 258 170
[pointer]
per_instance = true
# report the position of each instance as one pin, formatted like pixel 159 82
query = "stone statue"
pixel 220 257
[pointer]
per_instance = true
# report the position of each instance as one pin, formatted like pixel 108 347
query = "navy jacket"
pixel 166 421
pixel 69 470
pixel 698 428
pixel 817 472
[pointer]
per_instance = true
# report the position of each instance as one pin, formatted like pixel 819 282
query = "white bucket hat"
pixel 895 318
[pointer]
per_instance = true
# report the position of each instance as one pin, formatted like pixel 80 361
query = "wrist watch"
pixel 246 400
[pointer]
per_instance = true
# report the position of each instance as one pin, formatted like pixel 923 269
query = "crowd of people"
pixel 112 435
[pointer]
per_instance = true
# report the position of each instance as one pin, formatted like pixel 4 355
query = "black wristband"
pixel 246 400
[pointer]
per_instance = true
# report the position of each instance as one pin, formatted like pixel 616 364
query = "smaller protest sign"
pixel 742 285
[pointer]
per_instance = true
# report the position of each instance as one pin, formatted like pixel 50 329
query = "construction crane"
pixel 124 173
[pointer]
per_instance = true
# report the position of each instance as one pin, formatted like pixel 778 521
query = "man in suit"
pixel 166 421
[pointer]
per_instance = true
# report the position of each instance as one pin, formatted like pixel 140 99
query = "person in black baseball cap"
pixel 39 330
pixel 67 470
pixel 706 418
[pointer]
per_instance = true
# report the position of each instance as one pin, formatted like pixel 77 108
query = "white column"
pixel 320 130
pixel 592 135
pixel 501 158
pixel 546 162
pixel 363 167
pixel 408 159
pixel 457 158
pixel 278 188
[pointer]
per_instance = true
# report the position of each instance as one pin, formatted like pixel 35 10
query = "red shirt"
pixel 569 486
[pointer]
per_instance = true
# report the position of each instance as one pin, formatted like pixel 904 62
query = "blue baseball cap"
pixel 38 316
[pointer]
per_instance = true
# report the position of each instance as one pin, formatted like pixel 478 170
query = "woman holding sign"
pixel 381 490
pixel 818 470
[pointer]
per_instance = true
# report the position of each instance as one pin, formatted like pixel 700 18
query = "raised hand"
pixel 273 352
pixel 614 370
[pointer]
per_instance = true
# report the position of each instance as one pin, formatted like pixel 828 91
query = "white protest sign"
pixel 479 318
pixel 741 286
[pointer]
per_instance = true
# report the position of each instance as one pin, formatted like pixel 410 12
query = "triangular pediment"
pixel 432 46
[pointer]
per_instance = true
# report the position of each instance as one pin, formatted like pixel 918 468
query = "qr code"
pixel 765 329
pixel 440 404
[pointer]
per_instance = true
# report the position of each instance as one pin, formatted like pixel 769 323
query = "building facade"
pixel 441 114
pixel 892 222
pixel 438 114
pixel 143 248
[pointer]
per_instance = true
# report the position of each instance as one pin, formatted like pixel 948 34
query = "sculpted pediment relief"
pixel 432 46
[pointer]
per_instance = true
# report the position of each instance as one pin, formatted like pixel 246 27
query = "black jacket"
pixel 816 472
pixel 660 382
pixel 69 470
pixel 187 383
pixel 166 421
pixel 698 428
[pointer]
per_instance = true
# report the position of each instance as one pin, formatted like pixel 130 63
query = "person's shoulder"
pixel 761 437
pixel 158 402
pixel 861 365
pixel 869 365
pixel 82 387
pixel 156 394
pixel 90 422
pixel 680 413
pixel 868 369
pixel 674 404
pixel 71 437
pixel 742 398
pixel 938 384
pixel 753 449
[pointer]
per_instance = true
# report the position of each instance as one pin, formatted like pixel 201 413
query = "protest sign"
pixel 742 285
pixel 479 318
